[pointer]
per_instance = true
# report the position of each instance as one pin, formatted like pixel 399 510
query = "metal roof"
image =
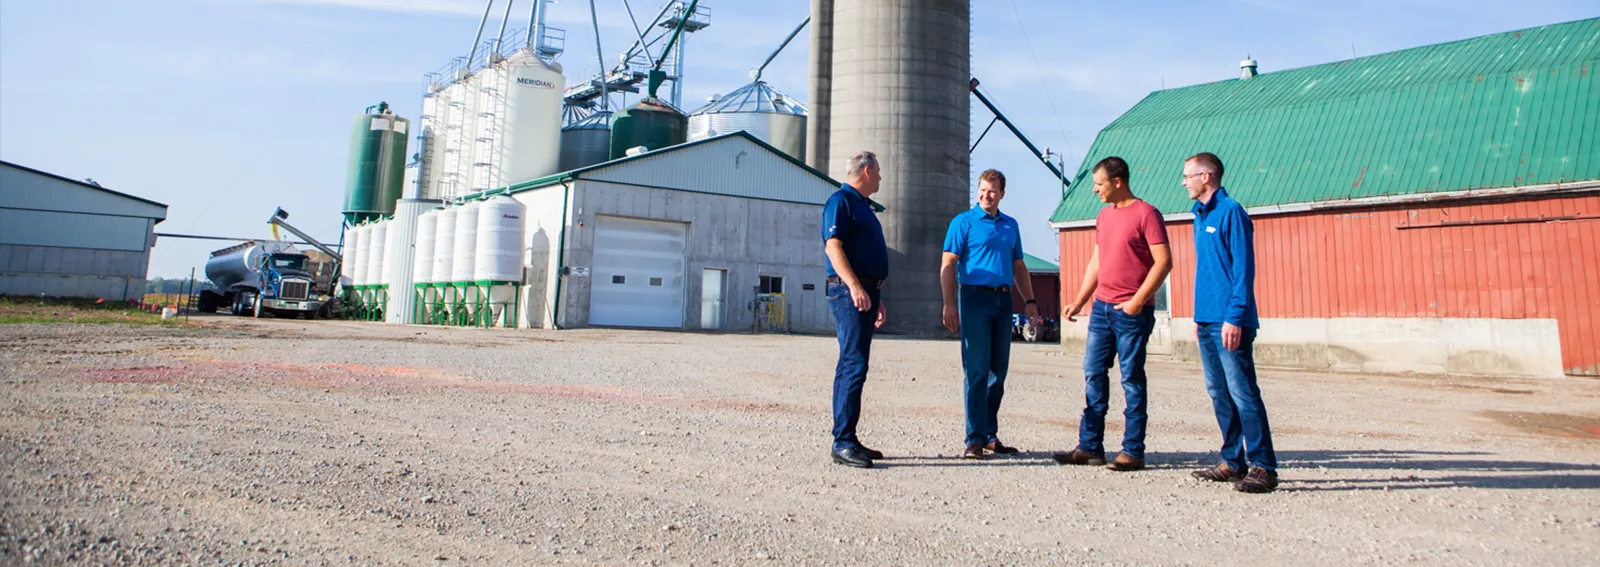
pixel 754 97
pixel 82 183
pixel 1505 110
pixel 1037 264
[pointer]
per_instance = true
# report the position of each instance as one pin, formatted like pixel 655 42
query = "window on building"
pixel 655 282
pixel 771 284
pixel 619 279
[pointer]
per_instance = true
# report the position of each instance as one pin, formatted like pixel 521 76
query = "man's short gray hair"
pixel 860 162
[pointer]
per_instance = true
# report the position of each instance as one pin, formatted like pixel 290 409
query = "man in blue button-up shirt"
pixel 858 262
pixel 983 251
pixel 1225 326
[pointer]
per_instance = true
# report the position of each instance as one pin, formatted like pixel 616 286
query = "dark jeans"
pixel 855 347
pixel 985 356
pixel 1113 333
pixel 1231 381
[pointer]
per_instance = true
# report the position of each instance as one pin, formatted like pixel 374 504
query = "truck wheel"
pixel 238 304
pixel 1030 332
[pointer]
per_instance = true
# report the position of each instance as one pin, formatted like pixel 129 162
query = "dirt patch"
pixel 1552 424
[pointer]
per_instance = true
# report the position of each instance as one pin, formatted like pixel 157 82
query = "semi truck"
pixel 267 277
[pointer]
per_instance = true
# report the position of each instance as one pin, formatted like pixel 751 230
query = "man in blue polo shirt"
pixel 858 262
pixel 1225 325
pixel 983 252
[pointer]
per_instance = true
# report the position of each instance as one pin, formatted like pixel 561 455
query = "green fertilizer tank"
pixel 377 164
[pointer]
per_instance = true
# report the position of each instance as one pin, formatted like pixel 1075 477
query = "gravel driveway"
pixel 234 440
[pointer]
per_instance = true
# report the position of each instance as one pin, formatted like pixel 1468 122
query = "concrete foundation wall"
pixel 1494 347
pixel 747 237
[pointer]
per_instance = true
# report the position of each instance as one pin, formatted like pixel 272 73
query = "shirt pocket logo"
pixel 1211 229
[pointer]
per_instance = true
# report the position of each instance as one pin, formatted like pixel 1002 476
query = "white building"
pixel 66 238
pixel 683 237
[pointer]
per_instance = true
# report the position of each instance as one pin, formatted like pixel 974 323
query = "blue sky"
pixel 226 109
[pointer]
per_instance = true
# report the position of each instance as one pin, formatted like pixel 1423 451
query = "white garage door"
pixel 638 273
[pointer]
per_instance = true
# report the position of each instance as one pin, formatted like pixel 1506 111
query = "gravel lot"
pixel 233 440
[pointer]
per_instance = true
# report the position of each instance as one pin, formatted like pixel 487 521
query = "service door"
pixel 638 273
pixel 1161 336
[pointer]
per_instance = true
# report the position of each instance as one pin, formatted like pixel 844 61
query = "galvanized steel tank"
pixel 427 234
pixel 651 123
pixel 899 87
pixel 586 142
pixel 466 243
pixel 756 108
pixel 444 246
pixel 239 263
pixel 378 233
pixel 377 167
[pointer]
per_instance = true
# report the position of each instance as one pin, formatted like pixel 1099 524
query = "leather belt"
pixel 865 282
pixel 1000 289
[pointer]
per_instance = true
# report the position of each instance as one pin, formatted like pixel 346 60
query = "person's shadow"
pixel 1402 470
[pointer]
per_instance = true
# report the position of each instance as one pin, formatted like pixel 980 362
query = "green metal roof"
pixel 1505 110
pixel 1037 264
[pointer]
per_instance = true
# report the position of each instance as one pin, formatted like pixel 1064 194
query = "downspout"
pixel 561 254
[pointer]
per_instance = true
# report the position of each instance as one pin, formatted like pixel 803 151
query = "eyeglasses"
pixel 1186 176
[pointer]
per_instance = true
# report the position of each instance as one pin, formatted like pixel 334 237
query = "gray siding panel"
pixel 23 189
pixel 732 166
pixel 73 230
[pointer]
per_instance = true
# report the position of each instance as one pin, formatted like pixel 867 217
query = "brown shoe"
pixel 1126 463
pixel 1220 473
pixel 999 448
pixel 974 451
pixel 1258 481
pixel 1079 457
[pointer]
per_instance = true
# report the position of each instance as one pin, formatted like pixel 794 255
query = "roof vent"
pixel 1247 68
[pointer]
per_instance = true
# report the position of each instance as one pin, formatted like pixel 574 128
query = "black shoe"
pixel 873 454
pixel 853 457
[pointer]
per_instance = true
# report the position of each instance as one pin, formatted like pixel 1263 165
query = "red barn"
pixel 1435 209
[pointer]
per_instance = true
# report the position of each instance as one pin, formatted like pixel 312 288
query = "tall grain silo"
pixel 377 167
pixel 898 75
pixel 532 119
pixel 756 108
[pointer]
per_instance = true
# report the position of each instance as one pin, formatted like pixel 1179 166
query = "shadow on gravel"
pixel 1405 470
pixel 1023 459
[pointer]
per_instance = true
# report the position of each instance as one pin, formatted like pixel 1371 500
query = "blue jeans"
pixel 1113 333
pixel 1242 416
pixel 985 356
pixel 855 347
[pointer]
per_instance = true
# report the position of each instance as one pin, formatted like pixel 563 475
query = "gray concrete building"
pixel 697 236
pixel 62 237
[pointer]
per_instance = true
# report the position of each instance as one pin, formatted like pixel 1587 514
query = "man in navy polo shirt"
pixel 1225 325
pixel 858 262
pixel 983 252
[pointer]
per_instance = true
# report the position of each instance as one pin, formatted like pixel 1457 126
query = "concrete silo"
pixel 897 84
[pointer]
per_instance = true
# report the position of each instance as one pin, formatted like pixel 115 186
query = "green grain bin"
pixel 650 123
pixel 377 164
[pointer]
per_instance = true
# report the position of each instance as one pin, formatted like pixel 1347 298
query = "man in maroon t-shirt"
pixel 1130 260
